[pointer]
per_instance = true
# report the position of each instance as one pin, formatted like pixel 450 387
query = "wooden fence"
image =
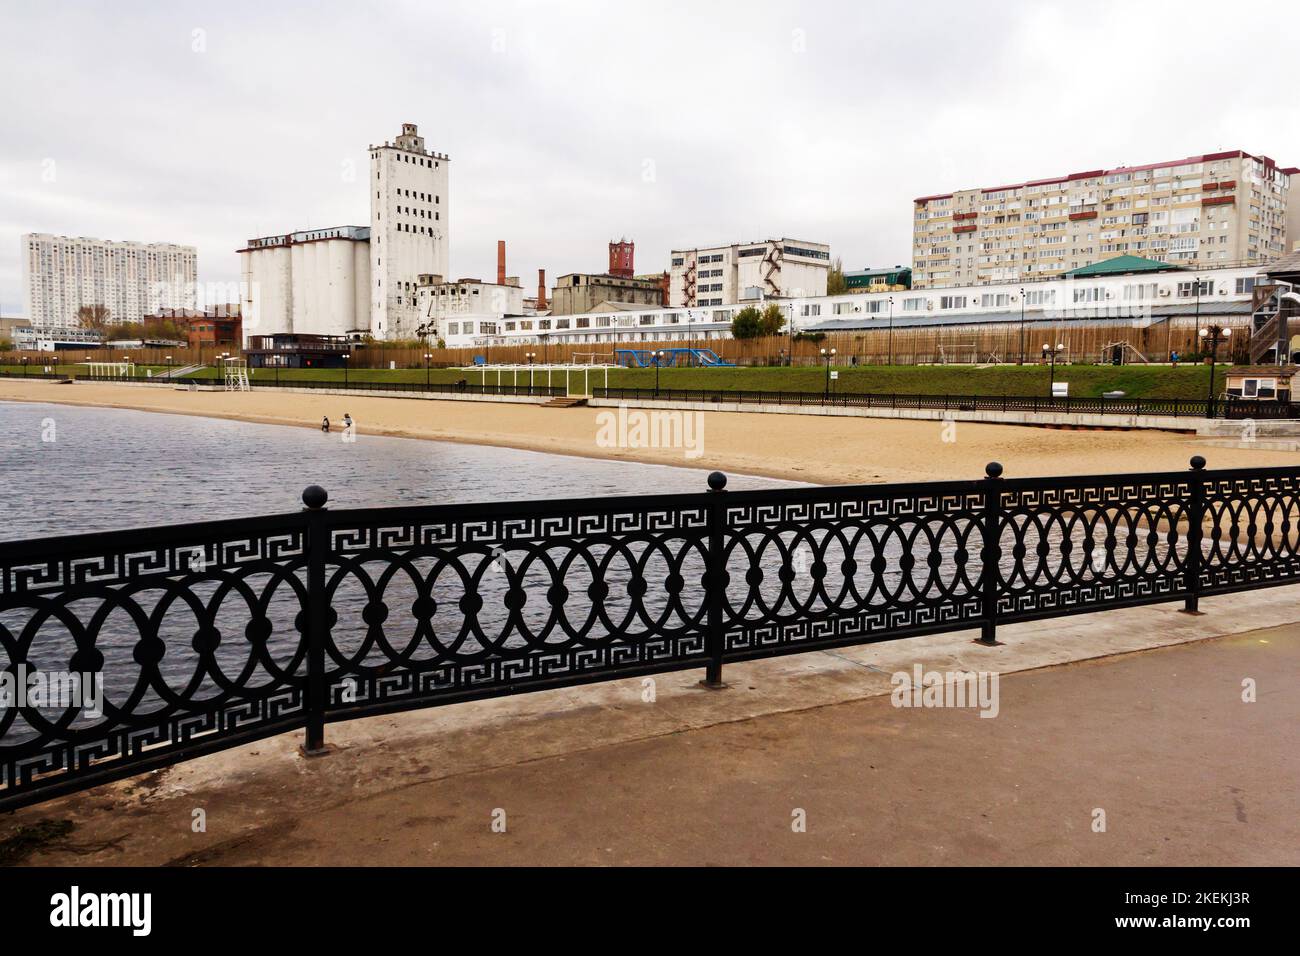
pixel 1084 342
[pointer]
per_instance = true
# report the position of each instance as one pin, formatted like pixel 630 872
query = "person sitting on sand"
pixel 325 424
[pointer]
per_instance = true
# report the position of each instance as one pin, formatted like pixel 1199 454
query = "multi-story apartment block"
pixel 722 275
pixel 1202 211
pixel 409 229
pixel 130 279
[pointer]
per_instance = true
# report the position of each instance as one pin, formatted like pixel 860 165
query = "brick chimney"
pixel 541 289
pixel 501 262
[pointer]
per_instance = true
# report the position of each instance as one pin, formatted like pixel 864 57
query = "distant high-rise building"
pixel 129 279
pixel 408 229
pixel 1214 210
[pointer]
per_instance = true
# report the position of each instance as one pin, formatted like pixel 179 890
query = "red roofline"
pixel 1098 173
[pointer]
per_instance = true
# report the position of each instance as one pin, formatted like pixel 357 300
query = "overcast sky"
pixel 569 124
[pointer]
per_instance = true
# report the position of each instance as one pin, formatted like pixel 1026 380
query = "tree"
pixel 93 317
pixel 835 281
pixel 747 323
pixel 772 320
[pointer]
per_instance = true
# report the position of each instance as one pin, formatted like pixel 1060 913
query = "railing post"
pixel 715 576
pixel 1195 531
pixel 990 553
pixel 317 545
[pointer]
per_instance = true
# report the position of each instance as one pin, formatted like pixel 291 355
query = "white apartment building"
pixel 722 275
pixel 315 281
pixel 1214 210
pixel 62 274
pixel 1132 300
pixel 409 229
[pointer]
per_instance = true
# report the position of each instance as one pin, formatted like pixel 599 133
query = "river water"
pixel 66 469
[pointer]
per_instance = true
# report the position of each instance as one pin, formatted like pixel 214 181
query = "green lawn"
pixel 1136 381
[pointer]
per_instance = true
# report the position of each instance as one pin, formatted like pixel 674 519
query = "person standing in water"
pixel 325 424
pixel 347 421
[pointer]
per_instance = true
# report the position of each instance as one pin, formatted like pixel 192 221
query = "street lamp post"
pixel 827 355
pixel 1214 334
pixel 891 330
pixel 530 356
pixel 345 371
pixel 1050 352
pixel 789 329
pixel 657 356
pixel 24 366
pixel 427 358
pixel 1022 326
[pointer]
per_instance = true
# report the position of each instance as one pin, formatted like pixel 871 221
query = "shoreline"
pixel 631 457
pixel 809 449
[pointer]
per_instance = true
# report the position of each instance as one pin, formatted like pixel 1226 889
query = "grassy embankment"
pixel 1136 381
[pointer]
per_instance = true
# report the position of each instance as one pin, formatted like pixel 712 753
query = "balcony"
pixel 1085 214
pixel 1218 200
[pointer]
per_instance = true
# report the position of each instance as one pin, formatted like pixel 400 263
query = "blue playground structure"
pixel 672 358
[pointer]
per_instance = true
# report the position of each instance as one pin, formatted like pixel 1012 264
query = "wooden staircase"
pixel 566 402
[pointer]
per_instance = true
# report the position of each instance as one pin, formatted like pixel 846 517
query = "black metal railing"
pixel 205 636
pixel 266 378
pixel 1167 407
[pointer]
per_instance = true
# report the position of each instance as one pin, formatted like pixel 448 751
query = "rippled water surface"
pixel 68 469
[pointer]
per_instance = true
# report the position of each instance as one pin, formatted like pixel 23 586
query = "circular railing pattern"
pixel 204 637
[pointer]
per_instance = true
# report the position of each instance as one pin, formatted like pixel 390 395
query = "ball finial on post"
pixel 314 497
pixel 993 469
pixel 1197 462
pixel 717 481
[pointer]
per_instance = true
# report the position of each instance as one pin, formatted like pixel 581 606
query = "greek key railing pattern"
pixel 202 637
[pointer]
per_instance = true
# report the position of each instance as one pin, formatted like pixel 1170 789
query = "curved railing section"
pixel 128 651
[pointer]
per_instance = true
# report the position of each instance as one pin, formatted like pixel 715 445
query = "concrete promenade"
pixel 1136 713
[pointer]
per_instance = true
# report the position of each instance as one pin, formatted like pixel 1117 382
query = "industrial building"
pixel 357 280
pixel 1214 210
pixel 130 279
pixel 617 287
pixel 409 229
pixel 748 271
pixel 316 281
pixel 444 304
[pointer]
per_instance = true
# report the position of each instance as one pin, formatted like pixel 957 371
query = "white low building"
pixel 316 281
pixel 1130 299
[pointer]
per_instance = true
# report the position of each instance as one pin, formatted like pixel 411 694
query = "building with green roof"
pixel 1122 266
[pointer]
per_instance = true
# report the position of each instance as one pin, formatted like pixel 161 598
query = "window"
pixel 952 302
pixel 1246 285
pixel 1186 289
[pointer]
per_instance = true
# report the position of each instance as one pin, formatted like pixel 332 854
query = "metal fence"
pixel 205 636
pixel 268 380
pixel 1169 407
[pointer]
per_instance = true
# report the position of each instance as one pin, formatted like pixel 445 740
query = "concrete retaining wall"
pixel 988 416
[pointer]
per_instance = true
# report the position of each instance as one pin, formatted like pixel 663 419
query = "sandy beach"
pixel 798 447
